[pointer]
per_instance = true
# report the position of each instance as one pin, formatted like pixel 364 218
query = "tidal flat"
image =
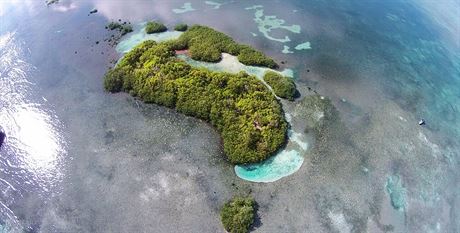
pixel 118 165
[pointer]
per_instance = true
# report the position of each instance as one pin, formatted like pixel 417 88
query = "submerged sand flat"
pixel 187 7
pixel 139 35
pixel 134 167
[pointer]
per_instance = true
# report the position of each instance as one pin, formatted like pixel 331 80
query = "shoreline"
pixel 230 63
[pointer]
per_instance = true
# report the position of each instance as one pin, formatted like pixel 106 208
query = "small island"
pixel 155 27
pixel 181 27
pixel 244 111
pixel 237 215
pixel 283 86
pixel 124 28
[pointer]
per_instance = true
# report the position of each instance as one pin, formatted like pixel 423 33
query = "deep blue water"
pixel 384 64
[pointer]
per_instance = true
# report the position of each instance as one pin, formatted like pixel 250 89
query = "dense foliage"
pixel 123 28
pixel 244 111
pixel 182 27
pixel 237 215
pixel 283 86
pixel 50 2
pixel 207 44
pixel 155 27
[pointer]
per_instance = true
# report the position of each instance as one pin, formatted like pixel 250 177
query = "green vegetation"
pixel 123 28
pixel 237 215
pixel 207 44
pixel 50 2
pixel 155 27
pixel 182 27
pixel 283 86
pixel 246 114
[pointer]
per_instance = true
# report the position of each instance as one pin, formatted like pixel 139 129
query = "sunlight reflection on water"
pixel 31 157
pixel 34 136
pixel 32 130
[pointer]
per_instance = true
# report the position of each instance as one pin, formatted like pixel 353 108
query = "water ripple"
pixel 32 156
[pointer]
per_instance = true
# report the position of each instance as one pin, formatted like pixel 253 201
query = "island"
pixel 245 112
pixel 283 86
pixel 237 215
pixel 181 27
pixel 155 27
pixel 124 28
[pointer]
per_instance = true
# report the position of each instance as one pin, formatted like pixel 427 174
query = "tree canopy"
pixel 207 44
pixel 237 215
pixel 155 27
pixel 244 111
pixel 283 86
pixel 182 27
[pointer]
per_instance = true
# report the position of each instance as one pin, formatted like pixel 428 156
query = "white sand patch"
pixel 140 36
pixel 303 46
pixel 339 222
pixel 434 148
pixel 286 49
pixel 299 139
pixel 216 5
pixel 164 184
pixel 267 23
pixel 184 8
pixel 230 63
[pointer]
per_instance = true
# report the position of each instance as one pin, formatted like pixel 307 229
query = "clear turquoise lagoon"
pixel 138 36
pixel 276 167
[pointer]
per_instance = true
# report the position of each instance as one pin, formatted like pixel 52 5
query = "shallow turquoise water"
pixel 284 163
pixel 396 191
pixel 281 165
pixel 184 9
pixel 139 36
pixel 267 23
pixel 231 64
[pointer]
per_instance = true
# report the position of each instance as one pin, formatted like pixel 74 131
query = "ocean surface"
pixel 77 159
